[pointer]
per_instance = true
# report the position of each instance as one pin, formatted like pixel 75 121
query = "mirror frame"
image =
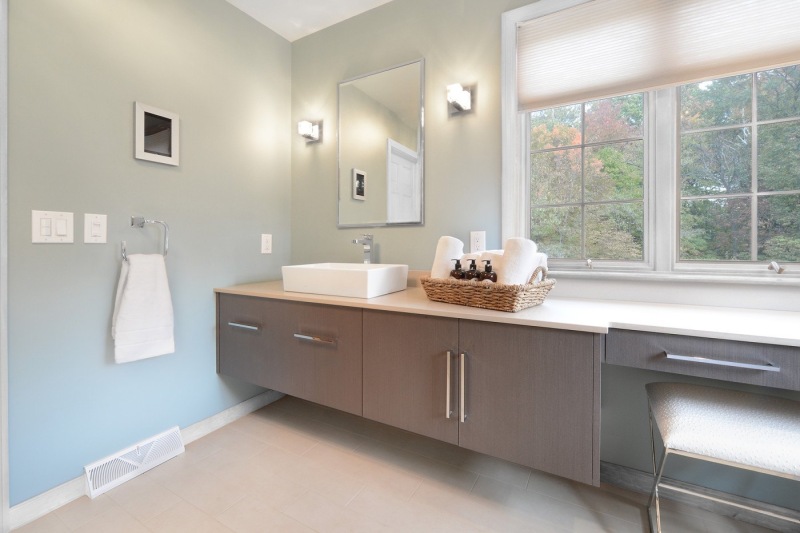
pixel 420 142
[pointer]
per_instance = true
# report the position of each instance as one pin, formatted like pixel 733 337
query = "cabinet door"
pixel 324 345
pixel 241 338
pixel 405 372
pixel 532 396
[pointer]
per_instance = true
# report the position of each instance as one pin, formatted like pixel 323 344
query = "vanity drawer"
pixel 741 362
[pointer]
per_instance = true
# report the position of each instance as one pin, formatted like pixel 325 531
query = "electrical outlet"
pixel 266 243
pixel 477 241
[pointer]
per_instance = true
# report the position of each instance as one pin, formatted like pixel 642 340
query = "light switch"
pixel 51 227
pixel 45 227
pixel 95 228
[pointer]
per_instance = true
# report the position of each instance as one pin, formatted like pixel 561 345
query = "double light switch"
pixel 57 228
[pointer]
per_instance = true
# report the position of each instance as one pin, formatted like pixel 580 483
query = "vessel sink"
pixel 357 280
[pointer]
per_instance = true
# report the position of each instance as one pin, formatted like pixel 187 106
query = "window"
pixel 740 168
pixel 587 179
pixel 679 176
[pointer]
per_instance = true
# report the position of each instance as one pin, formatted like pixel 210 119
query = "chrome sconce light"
pixel 310 131
pixel 459 98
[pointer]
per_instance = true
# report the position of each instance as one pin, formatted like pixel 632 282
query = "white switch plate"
pixel 477 241
pixel 95 228
pixel 51 227
pixel 266 243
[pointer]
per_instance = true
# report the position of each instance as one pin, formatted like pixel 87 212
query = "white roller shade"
pixel 610 47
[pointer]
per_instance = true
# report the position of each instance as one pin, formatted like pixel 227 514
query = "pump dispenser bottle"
pixel 472 273
pixel 457 272
pixel 487 274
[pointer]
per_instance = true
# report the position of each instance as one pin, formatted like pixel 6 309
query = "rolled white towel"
pixel 447 249
pixel 519 262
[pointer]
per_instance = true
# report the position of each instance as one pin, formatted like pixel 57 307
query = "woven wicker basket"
pixel 495 296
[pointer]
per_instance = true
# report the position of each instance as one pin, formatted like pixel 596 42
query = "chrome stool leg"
pixel 655 526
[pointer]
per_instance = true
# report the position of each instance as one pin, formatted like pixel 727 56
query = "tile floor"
pixel 295 466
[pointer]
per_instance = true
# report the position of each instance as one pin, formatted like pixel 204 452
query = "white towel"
pixel 496 257
pixel 519 262
pixel 447 249
pixel 142 325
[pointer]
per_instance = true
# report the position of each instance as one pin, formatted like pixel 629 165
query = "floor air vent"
pixel 116 469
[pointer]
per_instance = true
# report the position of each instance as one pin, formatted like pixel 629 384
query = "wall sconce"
pixel 309 130
pixel 459 99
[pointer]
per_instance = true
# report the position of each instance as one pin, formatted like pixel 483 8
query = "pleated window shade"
pixel 611 47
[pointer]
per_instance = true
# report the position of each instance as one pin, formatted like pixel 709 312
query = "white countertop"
pixel 596 316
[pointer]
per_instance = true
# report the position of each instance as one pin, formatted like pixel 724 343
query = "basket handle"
pixel 536 272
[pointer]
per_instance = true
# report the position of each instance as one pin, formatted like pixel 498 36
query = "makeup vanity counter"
pixel 521 386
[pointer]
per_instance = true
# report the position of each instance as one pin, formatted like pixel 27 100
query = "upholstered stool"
pixel 740 429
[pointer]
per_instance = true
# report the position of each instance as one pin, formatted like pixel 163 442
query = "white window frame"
pixel 662 200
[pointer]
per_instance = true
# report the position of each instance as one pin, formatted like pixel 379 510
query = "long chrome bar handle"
pixel 462 361
pixel 313 338
pixel 769 367
pixel 447 410
pixel 243 326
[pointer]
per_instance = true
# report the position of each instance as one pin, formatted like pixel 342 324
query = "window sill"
pixel 768 279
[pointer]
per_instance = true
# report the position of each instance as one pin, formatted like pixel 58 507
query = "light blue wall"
pixel 75 69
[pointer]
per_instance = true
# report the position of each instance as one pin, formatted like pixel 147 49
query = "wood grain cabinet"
pixel 311 351
pixel 525 394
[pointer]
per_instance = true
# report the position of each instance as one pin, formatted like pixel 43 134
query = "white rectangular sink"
pixel 357 280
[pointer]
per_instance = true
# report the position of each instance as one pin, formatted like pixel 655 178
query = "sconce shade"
pixel 459 98
pixel 308 129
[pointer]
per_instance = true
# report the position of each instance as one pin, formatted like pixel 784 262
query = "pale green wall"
pixel 75 70
pixel 460 41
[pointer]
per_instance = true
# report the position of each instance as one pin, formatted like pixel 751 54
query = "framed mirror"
pixel 381 135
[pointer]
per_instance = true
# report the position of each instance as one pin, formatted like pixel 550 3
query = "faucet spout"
pixel 366 241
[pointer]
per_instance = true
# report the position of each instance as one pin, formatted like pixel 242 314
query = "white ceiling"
pixel 293 19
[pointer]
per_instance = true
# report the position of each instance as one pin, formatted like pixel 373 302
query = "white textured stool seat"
pixel 739 428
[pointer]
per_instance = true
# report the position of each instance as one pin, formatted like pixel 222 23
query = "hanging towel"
pixel 142 325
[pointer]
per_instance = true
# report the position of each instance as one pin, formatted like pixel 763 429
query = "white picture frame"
pixel 359 185
pixel 157 135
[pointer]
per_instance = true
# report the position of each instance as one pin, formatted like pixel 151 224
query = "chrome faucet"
pixel 366 240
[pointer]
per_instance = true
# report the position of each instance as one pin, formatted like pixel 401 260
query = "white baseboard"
pixel 38 506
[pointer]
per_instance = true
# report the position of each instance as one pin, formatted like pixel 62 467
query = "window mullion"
pixel 753 171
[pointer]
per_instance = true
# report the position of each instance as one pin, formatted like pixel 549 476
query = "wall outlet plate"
pixel 477 241
pixel 266 243
pixel 95 229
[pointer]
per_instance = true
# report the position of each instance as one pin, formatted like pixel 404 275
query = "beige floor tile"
pixel 143 498
pixel 320 514
pixel 428 469
pixel 49 523
pixel 266 431
pixel 204 490
pixel 185 518
pixel 253 515
pixel 115 520
pixel 403 515
pixel 82 510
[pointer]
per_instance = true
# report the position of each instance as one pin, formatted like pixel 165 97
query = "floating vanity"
pixel 522 386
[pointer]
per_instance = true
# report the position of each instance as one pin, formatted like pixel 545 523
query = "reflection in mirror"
pixel 381 139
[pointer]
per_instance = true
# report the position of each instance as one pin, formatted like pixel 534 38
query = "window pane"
pixel 715 162
pixel 557 231
pixel 779 228
pixel 778 93
pixel 556 177
pixel 721 102
pixel 616 118
pixel 614 172
pixel 715 229
pixel 615 231
pixel 556 127
pixel 779 156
